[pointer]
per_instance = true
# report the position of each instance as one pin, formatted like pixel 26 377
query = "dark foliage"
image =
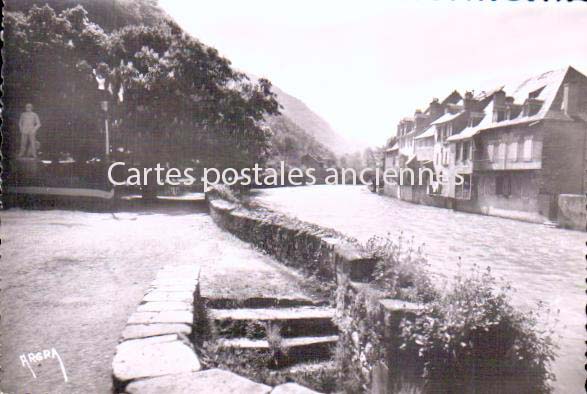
pixel 170 98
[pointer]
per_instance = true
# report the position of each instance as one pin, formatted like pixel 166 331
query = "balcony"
pixel 464 166
pixel 463 194
pixel 506 165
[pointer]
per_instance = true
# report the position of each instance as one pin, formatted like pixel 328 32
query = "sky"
pixel 364 65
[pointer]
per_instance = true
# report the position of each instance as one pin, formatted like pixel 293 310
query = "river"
pixel 541 263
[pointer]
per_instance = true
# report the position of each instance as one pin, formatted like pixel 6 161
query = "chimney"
pixel 469 101
pixel 570 99
pixel 436 110
pixel 420 120
pixel 509 108
pixel 499 108
pixel 499 99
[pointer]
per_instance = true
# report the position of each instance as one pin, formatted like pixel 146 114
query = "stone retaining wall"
pixel 369 358
pixel 369 324
pixel 313 249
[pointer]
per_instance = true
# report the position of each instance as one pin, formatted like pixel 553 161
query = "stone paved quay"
pixel 541 263
pixel 71 280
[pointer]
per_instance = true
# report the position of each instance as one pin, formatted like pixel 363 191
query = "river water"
pixel 541 263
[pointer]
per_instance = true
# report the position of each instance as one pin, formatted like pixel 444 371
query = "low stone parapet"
pixel 215 381
pixel 369 339
pixel 157 339
pixel 572 211
pixel 316 250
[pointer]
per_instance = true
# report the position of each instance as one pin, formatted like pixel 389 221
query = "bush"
pixel 471 339
pixel 401 269
pixel 224 192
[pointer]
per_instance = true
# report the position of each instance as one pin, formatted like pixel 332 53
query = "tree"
pixel 213 106
pixel 171 97
pixel 41 48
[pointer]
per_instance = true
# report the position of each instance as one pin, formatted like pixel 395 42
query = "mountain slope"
pixel 306 119
pixel 109 14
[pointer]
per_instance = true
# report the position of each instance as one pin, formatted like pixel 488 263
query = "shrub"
pixel 401 269
pixel 471 339
pixel 224 192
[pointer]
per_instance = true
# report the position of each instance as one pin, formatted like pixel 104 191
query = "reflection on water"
pixel 542 263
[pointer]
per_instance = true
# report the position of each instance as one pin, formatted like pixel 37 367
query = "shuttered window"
pixel 513 151
pixel 528 149
pixel 501 151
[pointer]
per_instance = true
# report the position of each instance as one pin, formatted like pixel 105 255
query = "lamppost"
pixel 104 108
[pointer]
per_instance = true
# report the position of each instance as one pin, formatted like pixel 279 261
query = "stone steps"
pixel 285 343
pixel 259 302
pixel 310 367
pixel 301 371
pixel 288 322
pixel 291 336
pixel 551 223
pixel 286 351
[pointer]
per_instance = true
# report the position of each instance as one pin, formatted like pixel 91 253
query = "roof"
pixel 394 147
pixel 447 118
pixel 544 87
pixel 410 159
pixel 469 131
pixel 430 131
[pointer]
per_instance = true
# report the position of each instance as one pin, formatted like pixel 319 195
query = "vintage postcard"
pixel 334 196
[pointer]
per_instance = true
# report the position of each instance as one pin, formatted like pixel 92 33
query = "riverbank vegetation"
pixel 467 336
pixel 463 336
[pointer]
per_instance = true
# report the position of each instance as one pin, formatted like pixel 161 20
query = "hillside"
pixel 109 14
pixel 306 119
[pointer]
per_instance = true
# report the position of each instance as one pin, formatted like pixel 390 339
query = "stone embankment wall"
pixel 310 248
pixel 369 324
pixel 572 211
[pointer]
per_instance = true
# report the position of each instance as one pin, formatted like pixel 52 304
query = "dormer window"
pixel 532 106
pixel 499 115
pixel 475 119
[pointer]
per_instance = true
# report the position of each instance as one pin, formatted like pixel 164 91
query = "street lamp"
pixel 104 108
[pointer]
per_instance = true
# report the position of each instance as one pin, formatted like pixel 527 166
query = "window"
pixel 533 108
pixel 503 185
pixel 499 115
pixel 513 151
pixel 445 156
pixel 458 153
pixel 466 148
pixel 474 120
pixel 528 148
pixel 490 151
pixel 463 191
pixel 501 151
